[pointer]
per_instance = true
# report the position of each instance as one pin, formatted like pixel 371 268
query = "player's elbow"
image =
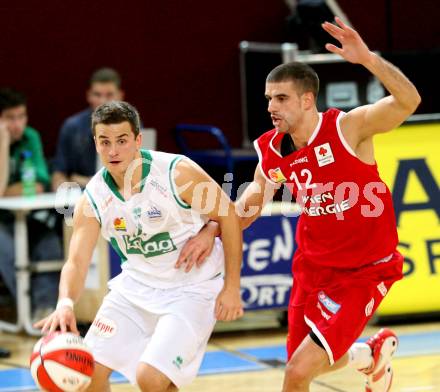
pixel 417 100
pixel 225 214
pixel 245 222
pixel 412 101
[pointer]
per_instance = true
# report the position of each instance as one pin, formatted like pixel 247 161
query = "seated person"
pixel 75 158
pixel 16 140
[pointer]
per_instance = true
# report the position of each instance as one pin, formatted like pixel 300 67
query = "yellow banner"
pixel 409 163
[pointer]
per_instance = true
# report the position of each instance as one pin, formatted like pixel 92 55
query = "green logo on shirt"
pixel 156 245
pixel 178 361
pixel 137 213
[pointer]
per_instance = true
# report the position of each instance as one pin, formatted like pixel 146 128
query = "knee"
pixel 100 382
pixel 151 381
pixel 151 384
pixel 297 376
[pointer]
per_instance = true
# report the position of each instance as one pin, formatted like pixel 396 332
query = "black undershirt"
pixel 287 145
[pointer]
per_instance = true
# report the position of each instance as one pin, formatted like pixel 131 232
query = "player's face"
pixel 117 146
pixel 100 93
pixel 284 105
pixel 15 120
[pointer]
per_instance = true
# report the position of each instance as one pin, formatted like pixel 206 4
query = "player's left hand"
pixel 196 249
pixel 228 306
pixel 353 48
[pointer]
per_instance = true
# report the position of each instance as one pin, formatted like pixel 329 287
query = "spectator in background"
pixel 17 139
pixel 75 158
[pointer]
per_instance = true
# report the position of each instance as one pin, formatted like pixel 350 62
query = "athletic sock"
pixel 359 356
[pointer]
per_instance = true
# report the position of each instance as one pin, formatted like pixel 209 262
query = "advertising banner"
pixel 409 162
pixel 267 260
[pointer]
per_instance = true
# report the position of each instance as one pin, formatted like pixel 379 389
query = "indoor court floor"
pixel 252 361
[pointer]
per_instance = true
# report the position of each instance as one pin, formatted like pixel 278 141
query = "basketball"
pixel 61 362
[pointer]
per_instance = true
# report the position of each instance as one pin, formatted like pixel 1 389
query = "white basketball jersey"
pixel 149 230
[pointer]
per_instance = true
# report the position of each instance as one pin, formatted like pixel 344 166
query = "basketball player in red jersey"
pixel 346 258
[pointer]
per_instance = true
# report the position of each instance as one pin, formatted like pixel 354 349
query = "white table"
pixel 21 206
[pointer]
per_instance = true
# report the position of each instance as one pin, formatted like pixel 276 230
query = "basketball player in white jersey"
pixel 154 325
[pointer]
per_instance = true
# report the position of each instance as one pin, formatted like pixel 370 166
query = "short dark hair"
pixel 10 98
pixel 106 75
pixel 304 76
pixel 116 112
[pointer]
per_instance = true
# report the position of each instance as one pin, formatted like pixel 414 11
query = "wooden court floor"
pixel 420 372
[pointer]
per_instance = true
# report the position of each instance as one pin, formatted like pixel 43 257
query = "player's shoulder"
pixel 268 134
pixel 159 154
pixel 264 139
pixel 331 114
pixel 161 157
pixel 96 182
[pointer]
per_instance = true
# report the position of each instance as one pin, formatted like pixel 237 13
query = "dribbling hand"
pixel 62 318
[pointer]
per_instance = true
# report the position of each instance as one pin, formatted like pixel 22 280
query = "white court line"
pixel 425 388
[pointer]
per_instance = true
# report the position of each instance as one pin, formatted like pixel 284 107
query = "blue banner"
pixel 267 261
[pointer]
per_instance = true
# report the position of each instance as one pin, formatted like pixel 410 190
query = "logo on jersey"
pixel 178 362
pixel 324 154
pixel 276 175
pixel 299 160
pixel 328 303
pixel 369 307
pixel 160 188
pixel 154 213
pixel 119 224
pixel 159 244
pixel 103 327
pixel 323 314
pixel 107 202
pixel 382 289
pixel 137 213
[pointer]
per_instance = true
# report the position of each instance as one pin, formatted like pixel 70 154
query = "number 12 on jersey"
pixel 306 175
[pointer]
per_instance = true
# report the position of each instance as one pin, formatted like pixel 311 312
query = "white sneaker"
pixel 380 382
pixel 380 374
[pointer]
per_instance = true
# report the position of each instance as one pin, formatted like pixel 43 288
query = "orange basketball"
pixel 61 362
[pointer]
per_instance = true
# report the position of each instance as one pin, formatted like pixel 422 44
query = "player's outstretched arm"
pixel 204 195
pixel 387 113
pixel 199 247
pixel 73 275
pixel 248 208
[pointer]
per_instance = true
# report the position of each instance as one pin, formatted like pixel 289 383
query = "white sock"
pixel 359 356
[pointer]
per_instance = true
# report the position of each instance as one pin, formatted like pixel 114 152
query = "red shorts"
pixel 336 304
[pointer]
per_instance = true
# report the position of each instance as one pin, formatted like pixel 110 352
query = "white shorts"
pixel 169 330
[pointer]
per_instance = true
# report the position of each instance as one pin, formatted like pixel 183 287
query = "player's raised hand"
pixel 353 47
pixel 62 318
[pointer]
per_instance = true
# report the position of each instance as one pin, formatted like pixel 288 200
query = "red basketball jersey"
pixel 347 217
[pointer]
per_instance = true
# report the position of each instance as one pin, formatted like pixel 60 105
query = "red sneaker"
pixel 380 375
